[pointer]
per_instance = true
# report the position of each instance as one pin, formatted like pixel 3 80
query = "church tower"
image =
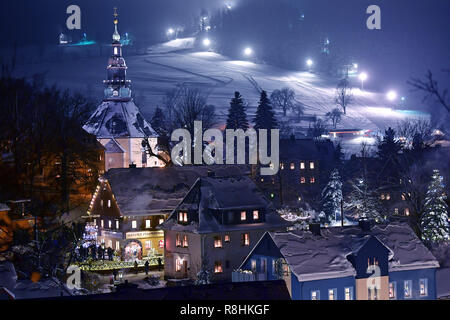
pixel 117 123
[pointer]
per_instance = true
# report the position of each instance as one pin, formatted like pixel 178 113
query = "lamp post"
pixel 362 77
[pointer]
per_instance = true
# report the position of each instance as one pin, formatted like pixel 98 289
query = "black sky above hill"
pixel 413 39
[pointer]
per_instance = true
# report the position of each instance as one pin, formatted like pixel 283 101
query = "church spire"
pixel 116 35
pixel 117 86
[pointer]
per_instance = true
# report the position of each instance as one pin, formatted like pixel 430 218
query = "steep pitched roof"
pixel 116 118
pixel 314 257
pixel 145 191
pixel 223 193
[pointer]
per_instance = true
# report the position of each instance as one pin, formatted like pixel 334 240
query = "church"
pixel 117 122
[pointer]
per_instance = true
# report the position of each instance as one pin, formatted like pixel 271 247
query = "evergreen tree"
pixel 237 118
pixel 388 148
pixel 265 117
pixel 434 222
pixel 332 197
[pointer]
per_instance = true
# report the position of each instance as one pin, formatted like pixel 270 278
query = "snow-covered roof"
pixel 223 193
pixel 113 147
pixel 314 257
pixel 305 149
pixel 146 191
pixel 116 118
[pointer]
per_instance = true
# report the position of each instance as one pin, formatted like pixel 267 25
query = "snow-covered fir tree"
pixel 265 116
pixel 237 118
pixel 332 197
pixel 434 222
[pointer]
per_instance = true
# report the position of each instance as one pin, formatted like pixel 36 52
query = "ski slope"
pixel 167 65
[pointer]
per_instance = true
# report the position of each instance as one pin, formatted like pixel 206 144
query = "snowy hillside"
pixel 177 62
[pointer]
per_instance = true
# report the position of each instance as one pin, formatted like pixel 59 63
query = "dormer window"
pixel 255 215
pixel 243 215
pixel 180 216
pixel 185 217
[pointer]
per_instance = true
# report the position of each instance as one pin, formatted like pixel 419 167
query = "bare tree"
pixel 344 96
pixel 335 116
pixel 283 99
pixel 430 87
pixel 411 129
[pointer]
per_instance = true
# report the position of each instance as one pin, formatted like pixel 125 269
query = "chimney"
pixel 315 228
pixel 364 224
pixel 211 174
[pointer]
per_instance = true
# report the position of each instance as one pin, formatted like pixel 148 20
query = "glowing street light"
pixel 363 77
pixel 391 95
pixel 206 42
pixel 248 51
pixel 309 63
pixel 170 31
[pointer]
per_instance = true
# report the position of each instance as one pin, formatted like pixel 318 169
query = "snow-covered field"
pixel 177 62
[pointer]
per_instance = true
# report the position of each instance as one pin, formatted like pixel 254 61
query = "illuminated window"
pixel 396 210
pixel 102 223
pixel 185 218
pixel 392 290
pixel 148 244
pixel 109 224
pixel 312 180
pixel 185 241
pixel 147 224
pixel 117 224
pixel 255 215
pixel 407 288
pixel 227 238
pixel 315 295
pixel 178 264
pixel 302 180
pixel 348 293
pixel 292 166
pixel 243 215
pixel 178 241
pixel 218 267
pixel 117 245
pixel 253 265
pixel 282 166
pixel 218 242
pixel 406 212
pixel 101 203
pixel 134 224
pixel 388 196
pixel 403 197
pixel 332 294
pixel 245 240
pixel 95 221
pixel 302 165
pixel 423 287
pixel 180 216
pixel 109 203
pixel 311 165
pixel 161 221
pixel 382 197
pixel 115 50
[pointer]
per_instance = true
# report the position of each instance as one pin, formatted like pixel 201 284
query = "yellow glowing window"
pixel 302 165
pixel 227 238
pixel 178 241
pixel 218 267
pixel 292 166
pixel 312 180
pixel 255 215
pixel 243 215
pixel 302 180
pixel 134 224
pixel 311 165
pixel 147 224
pixel 185 241
pixel 217 242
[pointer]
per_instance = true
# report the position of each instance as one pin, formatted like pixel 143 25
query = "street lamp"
pixel 363 77
pixel 391 95
pixel 206 42
pixel 248 51
pixel 309 63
